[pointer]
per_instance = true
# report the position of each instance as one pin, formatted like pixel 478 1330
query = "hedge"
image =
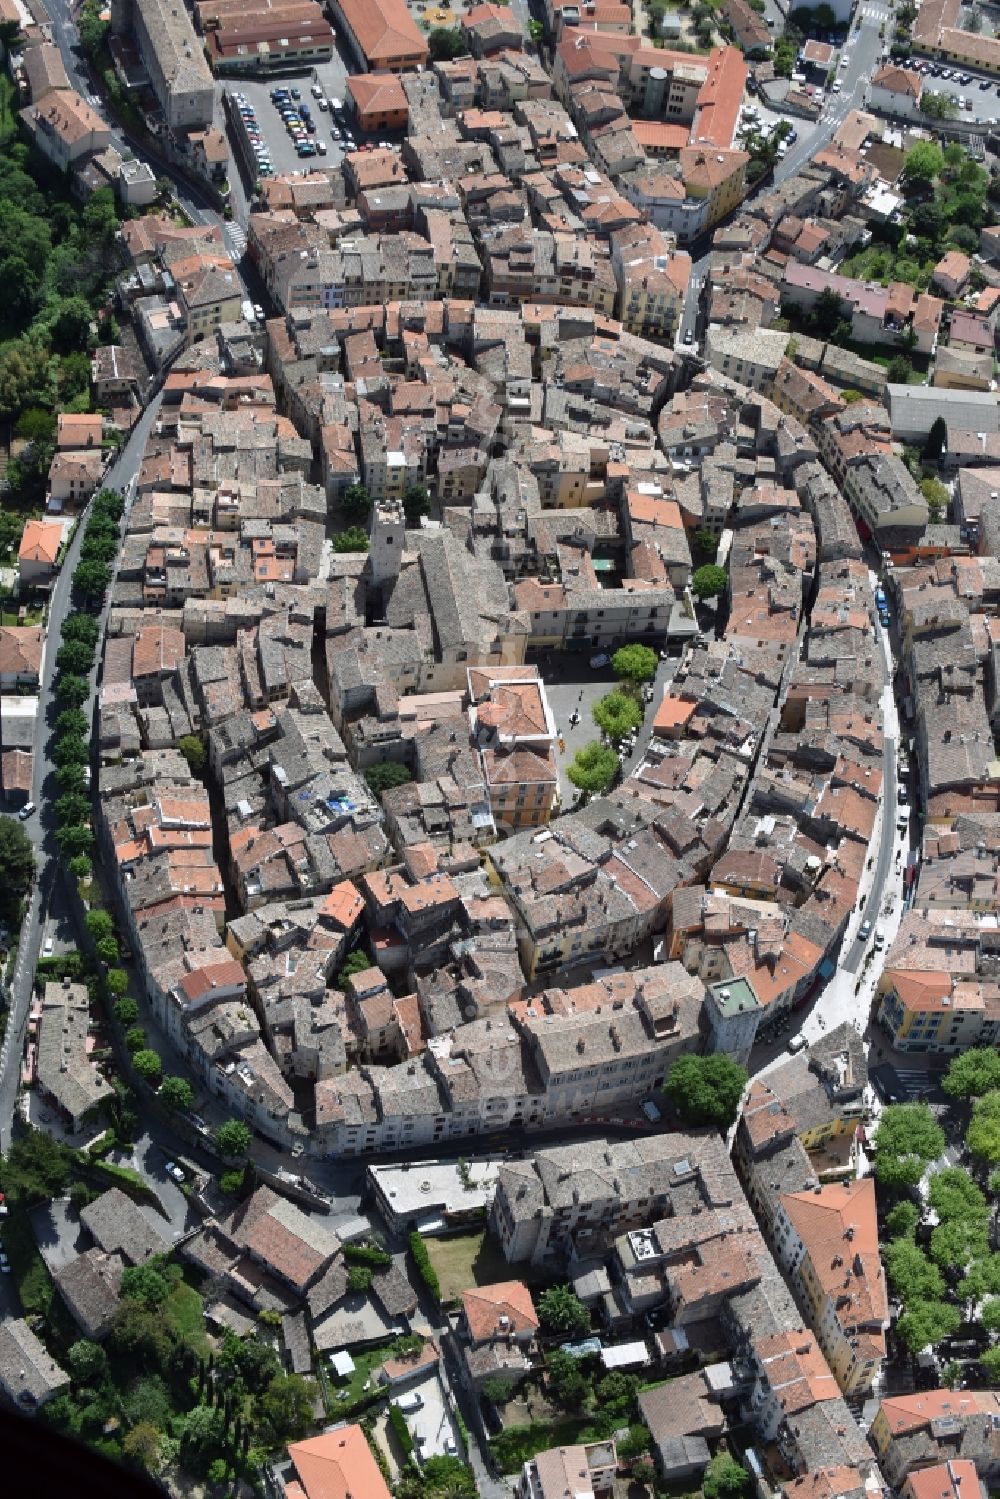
pixel 425 1269
pixel 398 1423
pixel 366 1254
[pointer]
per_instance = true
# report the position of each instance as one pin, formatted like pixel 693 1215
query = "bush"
pixel 366 1254
pixel 401 1431
pixel 359 1279
pixel 422 1262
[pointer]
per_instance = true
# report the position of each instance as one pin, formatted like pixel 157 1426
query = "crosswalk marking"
pixel 236 239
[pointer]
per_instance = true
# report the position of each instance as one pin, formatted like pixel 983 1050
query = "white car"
pixel 26 811
pixel 322 103
pixel 316 91
pixel 174 1171
pixel 48 947
pixel 837 85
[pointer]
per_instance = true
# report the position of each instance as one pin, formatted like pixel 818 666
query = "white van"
pixel 411 1401
pixel 797 1044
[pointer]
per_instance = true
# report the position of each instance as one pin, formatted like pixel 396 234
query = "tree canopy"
pixel 635 663
pixel 924 162
pixel 176 1093
pixel 709 582
pixel 383 777
pixel 983 1134
pixel 617 713
pixel 908 1138
pixel 233 1137
pixel 559 1310
pixel 973 1073
pixel 706 1089
pixel 925 1323
pixel 593 768
pixel 17 860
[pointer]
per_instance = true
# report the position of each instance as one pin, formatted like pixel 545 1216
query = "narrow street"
pixel 41 827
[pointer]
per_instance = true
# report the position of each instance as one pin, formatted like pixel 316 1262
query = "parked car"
pixel 26 811
pixel 321 147
pixel 174 1171
pixel 316 91
pixel 48 947
pixel 598 662
pixel 797 1044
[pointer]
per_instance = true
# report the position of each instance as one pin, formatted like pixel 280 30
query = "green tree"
pixel 936 495
pixel 990 1365
pixel 90 582
pixel 88 1363
pixel 617 714
pixel 17 860
pixel 953 1194
pixel 204 1437
pixel 446 43
pixel 192 747
pixel 937 437
pixel 71 692
pixel 116 980
pixel 176 1093
pixel 354 539
pixel 536 31
pixel 973 1073
pixel 71 778
pixel 71 750
pixel 593 768
pixel 127 1011
pixel 142 1447
pixel 958 1243
pixel 72 808
pixel 99 924
pixel 72 724
pixel 230 1182
pixel 37 1167
pixel 107 948
pixel 135 1038
pixel 706 1089
pixel 75 655
pixel 560 1311
pixel 416 500
pixel 706 544
pixel 903 1219
pixel 233 1138
pixel 725 1478
pixel 147 1064
pixel 81 627
pixel 827 312
pixel 74 841
pixel 383 777
pixel 989 1315
pixel 447 1478
pixel 924 161
pixel 983 1134
pixel 925 1323
pixel 983 1279
pixel 359 1279
pixel 635 663
pixel 910 1272
pixel 356 505
pixel 355 962
pixel 908 1138
pixel 565 1379
pixel 287 1406
pixel 709 582
pixel 145 1284
pixel 900 369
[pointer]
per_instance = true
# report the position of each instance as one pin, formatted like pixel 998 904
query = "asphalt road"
pixel 44 789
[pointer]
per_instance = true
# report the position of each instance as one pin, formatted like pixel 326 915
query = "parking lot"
pixel 272 129
pixel 981 94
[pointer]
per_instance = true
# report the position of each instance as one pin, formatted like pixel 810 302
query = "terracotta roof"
pixel 337 1465
pixel 957 1479
pixel 839 1228
pixel 485 1306
pixel 40 541
pixel 659 135
pixel 15 770
pixel 343 905
pixel 20 650
pixel 202 981
pixel 898 81
pixel 384 30
pixel 381 92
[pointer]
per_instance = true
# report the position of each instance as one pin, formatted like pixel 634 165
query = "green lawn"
pixel 466 1260
pixel 184 1310
pixel 517 1444
pixel 354 1387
